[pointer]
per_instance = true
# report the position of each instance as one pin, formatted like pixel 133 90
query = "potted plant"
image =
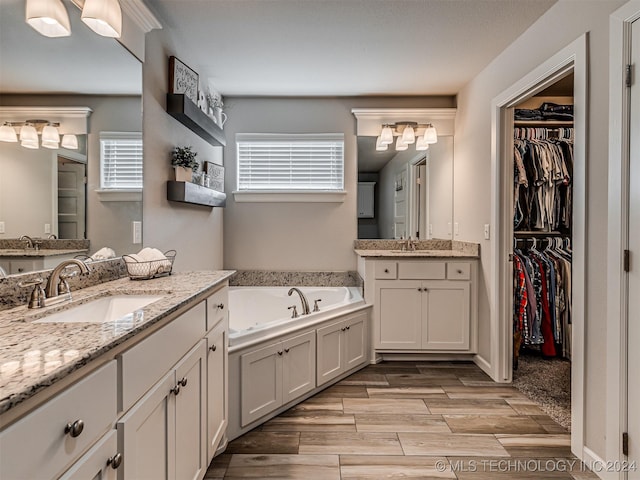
pixel 184 161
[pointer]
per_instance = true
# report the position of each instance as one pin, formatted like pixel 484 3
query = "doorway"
pixel 72 176
pixel 570 60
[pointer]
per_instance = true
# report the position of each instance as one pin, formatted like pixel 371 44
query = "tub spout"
pixel 303 300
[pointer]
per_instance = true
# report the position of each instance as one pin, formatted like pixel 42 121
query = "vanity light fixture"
pixel 70 141
pixel 48 17
pixel 103 17
pixel 407 133
pixel 29 131
pixel 50 136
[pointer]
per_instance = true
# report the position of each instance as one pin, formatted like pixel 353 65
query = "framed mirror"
pixel 82 70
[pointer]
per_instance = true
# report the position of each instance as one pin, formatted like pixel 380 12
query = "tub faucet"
pixel 303 300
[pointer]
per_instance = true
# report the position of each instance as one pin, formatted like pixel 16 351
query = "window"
pixel 120 161
pixel 294 165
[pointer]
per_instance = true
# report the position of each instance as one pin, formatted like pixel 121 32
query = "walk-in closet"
pixel 543 139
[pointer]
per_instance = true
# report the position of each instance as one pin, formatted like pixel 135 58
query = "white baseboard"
pixel 599 466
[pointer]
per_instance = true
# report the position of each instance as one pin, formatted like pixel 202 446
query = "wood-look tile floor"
pixel 425 420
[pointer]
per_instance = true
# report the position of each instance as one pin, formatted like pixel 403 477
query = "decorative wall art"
pixel 216 176
pixel 182 79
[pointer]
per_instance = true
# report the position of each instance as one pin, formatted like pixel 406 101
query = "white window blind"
pixel 121 160
pixel 276 162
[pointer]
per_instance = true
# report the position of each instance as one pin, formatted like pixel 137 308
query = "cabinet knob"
pixel 213 347
pixel 20 270
pixel 343 328
pixel 286 350
pixel 280 352
pixel 220 306
pixel 183 381
pixel 348 327
pixel 459 271
pixel 175 390
pixel 115 461
pixel 74 429
pixel 386 270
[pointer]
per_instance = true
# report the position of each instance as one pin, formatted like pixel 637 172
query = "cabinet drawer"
pixel 38 447
pixel 458 271
pixel 425 270
pixel 385 270
pixel 144 364
pixel 217 307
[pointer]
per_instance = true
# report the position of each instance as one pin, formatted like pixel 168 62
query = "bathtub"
pixel 259 313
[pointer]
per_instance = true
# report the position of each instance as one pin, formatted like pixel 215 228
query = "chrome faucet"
pixel 57 283
pixel 303 299
pixel 28 239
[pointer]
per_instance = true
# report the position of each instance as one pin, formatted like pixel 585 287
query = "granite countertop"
pixel 62 348
pixel 416 253
pixel 42 252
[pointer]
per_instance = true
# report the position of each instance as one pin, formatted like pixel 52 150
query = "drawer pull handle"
pixel 115 461
pixel 220 306
pixel 175 390
pixel 386 270
pixel 280 352
pixel 74 429
pixel 183 382
pixel 213 347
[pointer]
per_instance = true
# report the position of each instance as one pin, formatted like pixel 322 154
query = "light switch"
pixel 487 231
pixel 47 228
pixel 137 232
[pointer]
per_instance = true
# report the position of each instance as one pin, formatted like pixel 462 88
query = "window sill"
pixel 114 195
pixel 257 196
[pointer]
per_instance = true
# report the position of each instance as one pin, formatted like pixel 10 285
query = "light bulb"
pixel 408 135
pixel 103 17
pixel 48 18
pixel 386 137
pixel 381 147
pixel 8 133
pixel 400 145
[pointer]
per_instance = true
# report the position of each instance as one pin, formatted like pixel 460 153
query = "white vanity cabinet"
pixel 276 374
pixel 341 346
pixel 217 380
pixel 99 463
pixel 46 442
pixel 423 305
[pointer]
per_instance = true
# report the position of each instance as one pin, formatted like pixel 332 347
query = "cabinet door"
pixel 356 340
pixel 97 464
pixel 216 387
pixel 190 414
pixel 398 319
pixel 366 199
pixel 447 320
pixel 261 382
pixel 330 352
pixel 146 434
pixel 298 366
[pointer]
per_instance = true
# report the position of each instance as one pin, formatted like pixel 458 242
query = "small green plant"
pixel 184 157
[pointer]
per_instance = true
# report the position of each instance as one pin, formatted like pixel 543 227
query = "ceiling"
pixel 343 47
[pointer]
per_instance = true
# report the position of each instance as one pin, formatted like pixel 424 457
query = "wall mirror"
pixel 405 193
pixel 81 70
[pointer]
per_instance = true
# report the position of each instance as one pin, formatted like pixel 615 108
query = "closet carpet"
pixel 426 420
pixel 548 383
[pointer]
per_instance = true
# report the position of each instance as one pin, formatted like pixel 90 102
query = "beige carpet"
pixel 547 382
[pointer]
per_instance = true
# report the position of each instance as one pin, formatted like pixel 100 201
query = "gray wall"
pixel 558 27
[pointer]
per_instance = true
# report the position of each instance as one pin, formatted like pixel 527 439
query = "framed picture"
pixel 216 176
pixel 182 79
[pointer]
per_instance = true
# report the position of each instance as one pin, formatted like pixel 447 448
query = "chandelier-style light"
pixel 29 131
pixel 103 17
pixel 407 133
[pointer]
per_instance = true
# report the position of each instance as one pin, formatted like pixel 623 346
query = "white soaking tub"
pixel 258 313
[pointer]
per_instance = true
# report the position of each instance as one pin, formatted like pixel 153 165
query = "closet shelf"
pixel 538 233
pixel 187 192
pixel 180 107
pixel 543 123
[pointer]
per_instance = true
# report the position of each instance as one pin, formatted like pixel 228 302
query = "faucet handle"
pixel 294 314
pixel 37 298
pixel 315 305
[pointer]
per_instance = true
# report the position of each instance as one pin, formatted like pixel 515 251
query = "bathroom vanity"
pixel 143 396
pixel 424 296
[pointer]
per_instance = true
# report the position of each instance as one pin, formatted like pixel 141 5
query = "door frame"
pixel 618 228
pixel 412 176
pixel 571 58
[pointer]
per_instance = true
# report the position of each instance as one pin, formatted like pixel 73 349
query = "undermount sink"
pixel 103 309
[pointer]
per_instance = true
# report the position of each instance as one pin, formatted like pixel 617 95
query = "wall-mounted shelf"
pixel 187 192
pixel 180 107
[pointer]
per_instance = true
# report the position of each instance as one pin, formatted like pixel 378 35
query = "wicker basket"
pixel 151 269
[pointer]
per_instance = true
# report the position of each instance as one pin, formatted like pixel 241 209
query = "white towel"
pixel 103 254
pixel 152 260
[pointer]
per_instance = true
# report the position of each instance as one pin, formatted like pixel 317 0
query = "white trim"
pixel 269 196
pixel 71 119
pixel 141 15
pixel 116 195
pixel 484 365
pixel 617 240
pixel 369 120
pixel 597 465
pixel 573 57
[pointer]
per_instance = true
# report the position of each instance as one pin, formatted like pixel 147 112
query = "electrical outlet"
pixel 449 228
pixel 47 228
pixel 431 229
pixel 1 227
pixel 487 231
pixel 457 228
pixel 137 232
